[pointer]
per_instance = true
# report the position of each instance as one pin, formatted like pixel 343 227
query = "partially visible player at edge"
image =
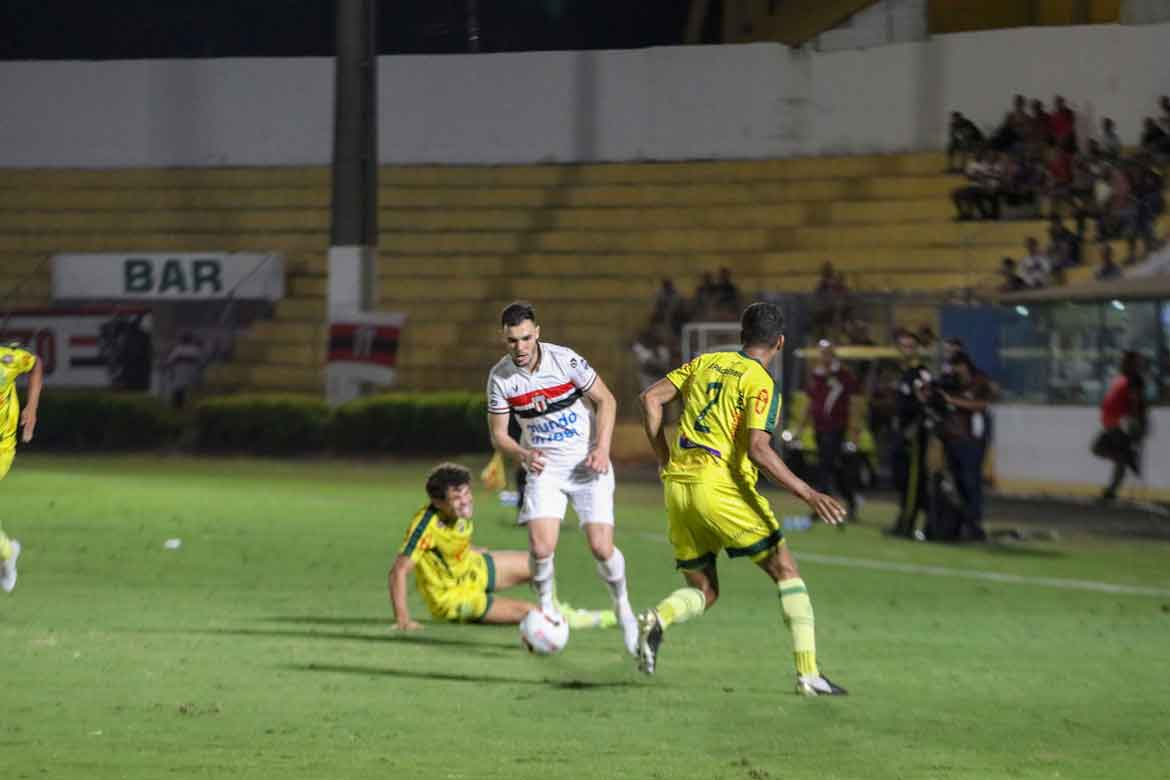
pixel 457 580
pixel 564 452
pixel 709 475
pixel 14 361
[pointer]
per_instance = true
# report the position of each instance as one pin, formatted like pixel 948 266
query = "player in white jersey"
pixel 565 449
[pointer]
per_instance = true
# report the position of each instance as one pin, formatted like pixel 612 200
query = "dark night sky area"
pixel 144 29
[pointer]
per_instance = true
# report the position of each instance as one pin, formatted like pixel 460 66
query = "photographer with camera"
pixel 963 429
pixel 910 435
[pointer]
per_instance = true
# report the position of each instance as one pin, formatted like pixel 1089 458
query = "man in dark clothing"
pixel 908 453
pixel 964 435
pixel 964 139
pixel 830 389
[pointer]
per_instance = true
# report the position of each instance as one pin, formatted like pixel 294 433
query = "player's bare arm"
pixel 532 460
pixel 28 418
pixel 654 400
pixel 605 413
pixel 761 453
pixel 399 573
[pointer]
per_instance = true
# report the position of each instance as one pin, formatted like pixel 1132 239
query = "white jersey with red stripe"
pixel 547 402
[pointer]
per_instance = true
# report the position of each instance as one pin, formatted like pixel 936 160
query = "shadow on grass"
pixel 409 639
pixel 421 674
pixel 309 620
pixel 1014 551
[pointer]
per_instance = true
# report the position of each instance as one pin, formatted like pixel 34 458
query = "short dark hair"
pixel 444 477
pixel 761 323
pixel 516 312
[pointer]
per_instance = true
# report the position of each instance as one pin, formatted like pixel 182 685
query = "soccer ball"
pixel 544 634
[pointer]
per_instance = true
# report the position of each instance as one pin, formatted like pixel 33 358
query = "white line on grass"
pixel 989 576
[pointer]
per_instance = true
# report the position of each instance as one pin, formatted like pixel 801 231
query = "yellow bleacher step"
pixel 50 243
pixel 178 220
pixel 588 218
pixel 163 178
pixel 174 198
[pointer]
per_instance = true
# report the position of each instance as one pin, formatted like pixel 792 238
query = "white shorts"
pixel 548 494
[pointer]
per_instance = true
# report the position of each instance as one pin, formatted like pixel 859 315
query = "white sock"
pixel 613 571
pixel 541 570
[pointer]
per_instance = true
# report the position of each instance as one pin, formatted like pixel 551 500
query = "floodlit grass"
pixel 261 647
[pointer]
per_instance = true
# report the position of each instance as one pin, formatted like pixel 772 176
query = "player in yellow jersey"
pixel 709 475
pixel 14 361
pixel 457 580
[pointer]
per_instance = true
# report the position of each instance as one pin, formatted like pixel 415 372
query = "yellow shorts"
pixel 467 599
pixel 6 456
pixel 706 517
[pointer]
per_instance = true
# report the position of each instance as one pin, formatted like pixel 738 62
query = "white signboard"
pixel 68 342
pixel 195 276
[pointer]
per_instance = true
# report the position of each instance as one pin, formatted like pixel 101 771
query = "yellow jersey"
pixel 441 553
pixel 725 395
pixel 13 362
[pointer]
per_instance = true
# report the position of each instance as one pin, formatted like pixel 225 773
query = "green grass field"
pixel 261 647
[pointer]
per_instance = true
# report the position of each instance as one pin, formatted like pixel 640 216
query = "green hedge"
pixel 262 424
pixel 412 422
pixel 400 423
pixel 104 420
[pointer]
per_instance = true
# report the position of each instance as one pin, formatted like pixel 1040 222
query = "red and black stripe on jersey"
pixel 545 400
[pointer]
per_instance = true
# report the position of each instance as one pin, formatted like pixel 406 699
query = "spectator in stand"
pixel 726 293
pixel 1064 245
pixel 857 331
pixel 1107 269
pixel 830 389
pixel 1059 176
pixel 980 196
pixel 1110 141
pixel 1035 269
pixel 1155 140
pixel 1014 129
pixel 1038 128
pixel 965 138
pixel 703 303
pixel 1062 123
pixel 652 354
pixel 1149 187
pixel 1123 422
pixel 668 305
pixel 1011 277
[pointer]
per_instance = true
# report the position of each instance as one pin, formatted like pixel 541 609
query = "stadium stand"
pixel 589 244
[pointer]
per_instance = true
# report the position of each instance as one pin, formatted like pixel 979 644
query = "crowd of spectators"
pixel 657 347
pixel 1035 161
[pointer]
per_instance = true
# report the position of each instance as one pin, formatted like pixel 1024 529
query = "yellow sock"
pixel 681 606
pixel 5 546
pixel 798 616
pixel 588 618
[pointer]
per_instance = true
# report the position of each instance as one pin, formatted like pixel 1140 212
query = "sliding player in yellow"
pixel 458 581
pixel 709 476
pixel 14 361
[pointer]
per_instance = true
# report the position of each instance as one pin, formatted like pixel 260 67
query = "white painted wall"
pixel 1051 444
pixel 749 101
pixel 883 23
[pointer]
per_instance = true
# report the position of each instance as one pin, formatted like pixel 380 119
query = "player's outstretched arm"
pixel 761 452
pixel 605 412
pixel 653 400
pixel 399 572
pixel 28 418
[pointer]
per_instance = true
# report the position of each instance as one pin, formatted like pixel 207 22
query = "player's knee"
pixel 711 594
pixel 602 549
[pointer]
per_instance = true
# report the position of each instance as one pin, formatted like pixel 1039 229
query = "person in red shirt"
pixel 1062 122
pixel 1123 420
pixel 830 388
